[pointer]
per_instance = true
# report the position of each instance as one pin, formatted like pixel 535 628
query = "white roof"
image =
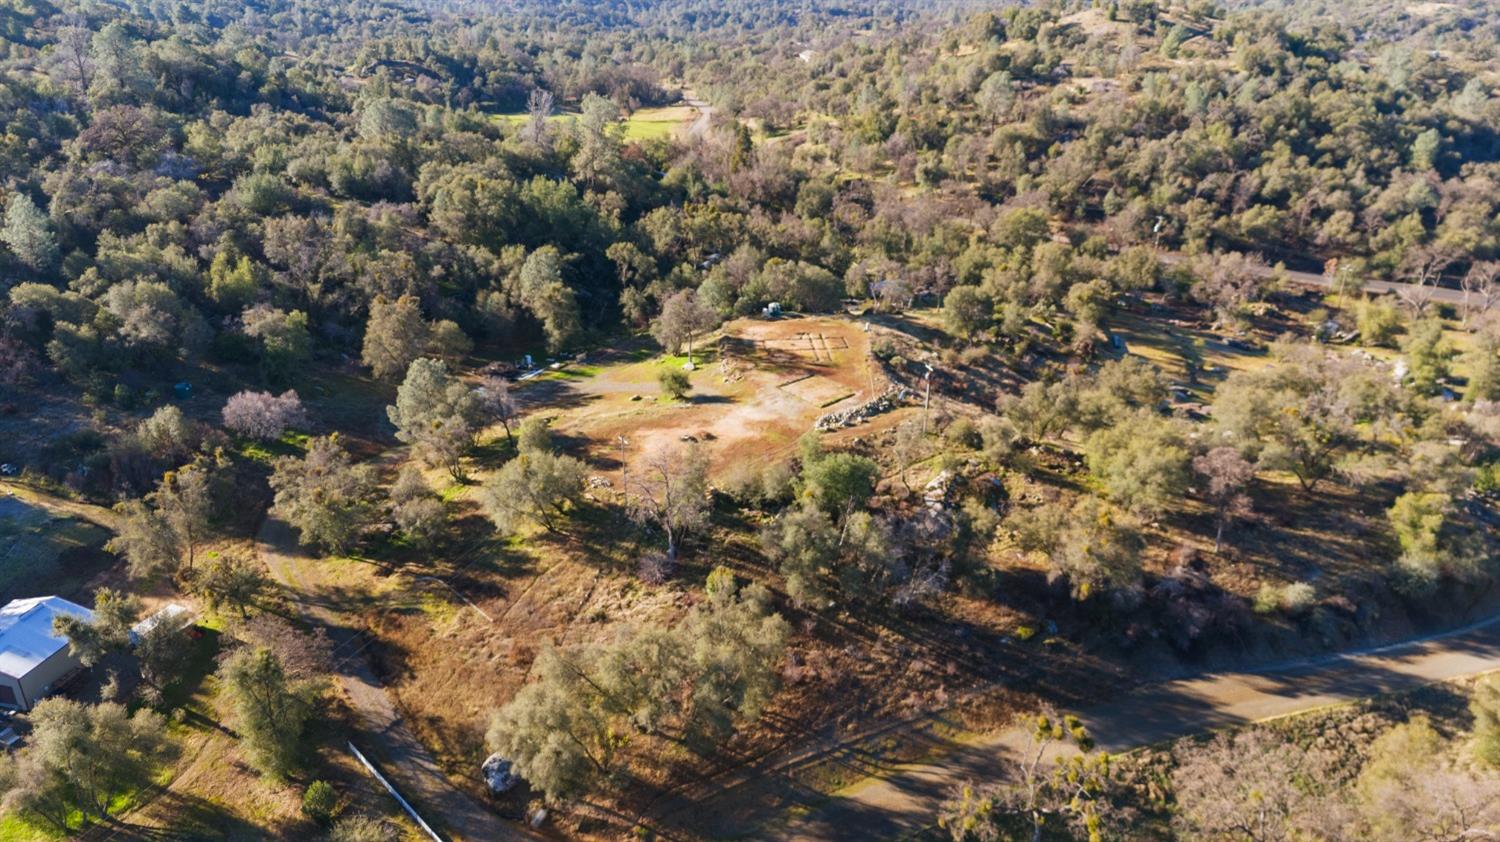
pixel 171 613
pixel 26 637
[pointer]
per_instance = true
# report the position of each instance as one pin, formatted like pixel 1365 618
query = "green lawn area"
pixel 644 124
pixel 654 123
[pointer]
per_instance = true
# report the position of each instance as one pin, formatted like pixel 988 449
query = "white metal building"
pixel 32 659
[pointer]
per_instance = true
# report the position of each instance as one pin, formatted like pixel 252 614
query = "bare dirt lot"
pixel 760 387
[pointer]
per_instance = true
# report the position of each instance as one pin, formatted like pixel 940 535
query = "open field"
pixel 653 123
pixel 642 124
pixel 47 545
pixel 760 389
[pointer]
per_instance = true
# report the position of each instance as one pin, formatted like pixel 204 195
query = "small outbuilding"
pixel 33 660
pixel 172 616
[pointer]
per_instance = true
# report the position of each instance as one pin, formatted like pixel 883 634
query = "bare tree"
pixel 74 57
pixel 1408 788
pixel 496 401
pixel 672 492
pixel 1229 281
pixel 538 108
pixel 1423 268
pixel 1248 786
pixel 304 654
pixel 262 415
pixel 1225 473
pixel 1481 285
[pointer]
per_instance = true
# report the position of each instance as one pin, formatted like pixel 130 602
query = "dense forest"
pixel 1168 336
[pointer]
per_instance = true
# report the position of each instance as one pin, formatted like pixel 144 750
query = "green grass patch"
pixel 16 828
pixel 659 123
pixel 573 371
pixel 200 664
pixel 702 357
pixel 291 443
pixel 644 124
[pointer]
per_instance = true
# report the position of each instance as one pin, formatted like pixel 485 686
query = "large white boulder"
pixel 499 774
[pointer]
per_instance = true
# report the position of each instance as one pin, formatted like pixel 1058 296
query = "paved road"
pixel 907 799
pixel 1441 295
pixel 383 736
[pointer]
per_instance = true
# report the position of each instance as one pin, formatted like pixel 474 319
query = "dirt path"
pixel 699 128
pixel 906 799
pixel 401 757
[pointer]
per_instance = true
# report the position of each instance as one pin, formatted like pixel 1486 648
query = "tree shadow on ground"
pixel 193 817
pixel 550 394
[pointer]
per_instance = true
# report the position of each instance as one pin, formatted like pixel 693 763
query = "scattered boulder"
pixel 935 495
pixel 499 774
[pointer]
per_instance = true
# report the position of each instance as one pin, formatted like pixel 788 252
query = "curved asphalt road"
pixel 907 799
pixel 1443 295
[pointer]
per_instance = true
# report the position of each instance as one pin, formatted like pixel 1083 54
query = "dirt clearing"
pixel 761 387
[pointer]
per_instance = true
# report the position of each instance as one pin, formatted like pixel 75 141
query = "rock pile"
pixel 891 399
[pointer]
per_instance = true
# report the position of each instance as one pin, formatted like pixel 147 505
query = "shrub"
pixel 1267 599
pixel 361 829
pixel 964 433
pixel 1379 322
pixel 1485 706
pixel 1297 598
pixel 757 484
pixel 674 383
pixel 1487 479
pixel 1294 599
pixel 319 802
pixel 655 568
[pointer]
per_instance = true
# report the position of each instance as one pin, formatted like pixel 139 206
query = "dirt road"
pixel 401 757
pixel 699 128
pixel 907 798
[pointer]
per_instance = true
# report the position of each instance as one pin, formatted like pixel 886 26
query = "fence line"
pixel 405 805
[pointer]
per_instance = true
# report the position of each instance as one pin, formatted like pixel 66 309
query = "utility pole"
pixel 624 445
pixel 926 397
